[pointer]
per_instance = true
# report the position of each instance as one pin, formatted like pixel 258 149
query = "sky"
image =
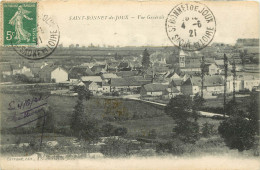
pixel 233 20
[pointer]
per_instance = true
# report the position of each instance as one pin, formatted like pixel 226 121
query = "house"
pixel 35 71
pixel 161 69
pixel 212 69
pixel 212 85
pixel 105 87
pixel 135 65
pixel 153 89
pixel 176 83
pixel 93 83
pixel 96 79
pixel 108 76
pixel 6 70
pixel 193 66
pixel 75 73
pixel 220 64
pixel 112 66
pixel 99 69
pixel 93 86
pixel 136 82
pixel 172 76
pixel 128 84
pixel 250 82
pixel 191 86
pixel 171 92
pixel 239 86
pixel 35 67
pixel 70 85
pixel 28 73
pixel 127 73
pixel 18 69
pixel 119 84
pixel 52 73
pixel 124 66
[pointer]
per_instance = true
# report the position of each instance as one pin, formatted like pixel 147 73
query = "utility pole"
pixel 234 79
pixel 202 74
pixel 225 83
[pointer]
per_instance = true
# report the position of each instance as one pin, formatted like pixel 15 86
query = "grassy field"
pixel 63 107
pixel 163 126
pixel 139 118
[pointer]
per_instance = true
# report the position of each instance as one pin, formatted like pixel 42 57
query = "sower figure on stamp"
pixel 17 21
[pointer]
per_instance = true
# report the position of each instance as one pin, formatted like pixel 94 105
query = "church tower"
pixel 182 56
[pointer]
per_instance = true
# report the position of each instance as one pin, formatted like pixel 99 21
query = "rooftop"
pixel 155 87
pixel 91 78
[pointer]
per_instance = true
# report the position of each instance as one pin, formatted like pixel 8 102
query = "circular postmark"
pixel 48 37
pixel 190 26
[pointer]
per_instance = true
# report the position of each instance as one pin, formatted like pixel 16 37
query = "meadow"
pixel 140 119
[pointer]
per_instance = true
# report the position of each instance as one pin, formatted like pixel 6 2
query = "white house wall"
pixel 59 75
pixel 249 84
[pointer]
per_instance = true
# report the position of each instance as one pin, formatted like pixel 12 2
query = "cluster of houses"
pixel 127 77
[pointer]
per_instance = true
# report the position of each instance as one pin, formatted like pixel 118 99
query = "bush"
pixel 175 147
pixel 237 133
pixel 187 131
pixel 152 134
pixel 115 147
pixel 116 93
pixel 121 131
pixel 240 129
pixel 207 129
pixel 108 130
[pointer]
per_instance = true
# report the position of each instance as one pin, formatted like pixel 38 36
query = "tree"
pixel 198 102
pixel 50 120
pixel 82 92
pixel 240 129
pixel 89 130
pixel 82 125
pixel 46 120
pixel 77 118
pixel 182 109
pixel 146 59
pixel 237 133
pixel 207 129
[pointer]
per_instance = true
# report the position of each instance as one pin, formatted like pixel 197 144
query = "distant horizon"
pixel 116 46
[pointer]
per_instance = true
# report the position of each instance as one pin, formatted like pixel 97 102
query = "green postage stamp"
pixel 20 23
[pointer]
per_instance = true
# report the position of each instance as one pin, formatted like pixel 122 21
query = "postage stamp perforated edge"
pixel 2 35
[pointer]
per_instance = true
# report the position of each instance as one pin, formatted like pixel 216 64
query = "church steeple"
pixel 182 56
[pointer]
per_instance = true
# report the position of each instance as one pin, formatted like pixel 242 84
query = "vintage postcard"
pixel 129 84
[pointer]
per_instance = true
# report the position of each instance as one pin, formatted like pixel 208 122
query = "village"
pixel 122 76
pixel 130 91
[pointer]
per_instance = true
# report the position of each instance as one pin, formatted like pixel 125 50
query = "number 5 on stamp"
pixel 20 23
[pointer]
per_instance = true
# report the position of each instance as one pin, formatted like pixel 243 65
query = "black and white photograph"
pixel 129 85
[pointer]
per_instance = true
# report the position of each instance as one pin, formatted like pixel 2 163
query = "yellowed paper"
pixel 117 84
